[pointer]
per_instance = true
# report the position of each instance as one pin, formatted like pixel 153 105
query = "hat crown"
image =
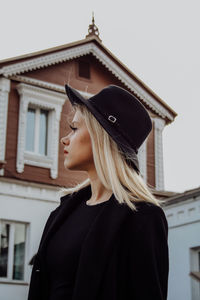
pixel 121 114
pixel 131 118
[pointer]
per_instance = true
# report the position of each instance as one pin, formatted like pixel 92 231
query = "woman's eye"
pixel 72 128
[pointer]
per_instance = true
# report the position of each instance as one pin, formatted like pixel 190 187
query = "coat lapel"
pixel 97 249
pixel 68 204
pixel 98 244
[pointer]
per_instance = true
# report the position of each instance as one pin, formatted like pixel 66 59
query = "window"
pixel 195 272
pixel 12 250
pixel 36 131
pixel 39 125
pixel 84 69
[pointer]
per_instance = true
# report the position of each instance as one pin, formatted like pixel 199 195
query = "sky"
pixel 157 40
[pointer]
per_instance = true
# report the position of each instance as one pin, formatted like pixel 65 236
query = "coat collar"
pixel 99 242
pixel 68 204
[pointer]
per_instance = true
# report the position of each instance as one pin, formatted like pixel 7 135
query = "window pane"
pixel 30 129
pixel 4 244
pixel 19 251
pixel 43 132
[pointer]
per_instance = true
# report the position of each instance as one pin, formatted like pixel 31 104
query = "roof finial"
pixel 92 18
pixel 93 29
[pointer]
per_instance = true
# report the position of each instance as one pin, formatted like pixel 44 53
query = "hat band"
pixel 113 120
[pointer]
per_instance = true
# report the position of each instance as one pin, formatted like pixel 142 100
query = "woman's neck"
pixel 99 192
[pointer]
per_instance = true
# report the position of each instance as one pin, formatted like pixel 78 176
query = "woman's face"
pixel 77 146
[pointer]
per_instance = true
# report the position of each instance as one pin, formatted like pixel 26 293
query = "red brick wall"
pixel 67 72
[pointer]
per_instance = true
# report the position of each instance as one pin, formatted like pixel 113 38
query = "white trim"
pixel 183 213
pixel 159 125
pixel 52 101
pixel 28 190
pixel 47 85
pixel 194 266
pixel 142 157
pixel 4 93
pixel 10 249
pixel 37 122
pixel 37 160
pixel 27 248
pixel 39 83
pixel 65 55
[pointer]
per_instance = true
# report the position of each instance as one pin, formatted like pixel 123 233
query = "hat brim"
pixel 129 153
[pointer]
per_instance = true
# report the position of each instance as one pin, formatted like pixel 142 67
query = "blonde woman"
pixel 108 237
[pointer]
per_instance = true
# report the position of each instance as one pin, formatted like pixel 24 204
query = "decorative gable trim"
pixel 46 60
pixel 90 48
pixel 46 85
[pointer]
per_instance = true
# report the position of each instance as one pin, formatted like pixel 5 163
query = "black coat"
pixel 124 255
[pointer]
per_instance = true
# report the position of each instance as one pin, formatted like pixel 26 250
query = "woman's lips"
pixel 65 152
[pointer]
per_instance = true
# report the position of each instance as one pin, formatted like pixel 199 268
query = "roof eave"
pixel 49 50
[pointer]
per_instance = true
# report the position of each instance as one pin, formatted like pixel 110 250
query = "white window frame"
pixel 194 266
pixel 142 158
pixel 11 251
pixel 31 96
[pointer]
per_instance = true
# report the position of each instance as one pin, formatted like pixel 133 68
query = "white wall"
pixel 181 239
pixel 13 292
pixel 32 204
pixel 184 233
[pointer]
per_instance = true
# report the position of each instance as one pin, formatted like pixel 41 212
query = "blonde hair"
pixel 112 168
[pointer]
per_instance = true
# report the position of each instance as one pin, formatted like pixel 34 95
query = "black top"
pixel 63 250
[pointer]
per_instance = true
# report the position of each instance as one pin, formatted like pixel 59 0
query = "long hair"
pixel 112 167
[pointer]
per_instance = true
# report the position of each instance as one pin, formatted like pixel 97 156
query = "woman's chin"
pixel 71 167
pixel 68 166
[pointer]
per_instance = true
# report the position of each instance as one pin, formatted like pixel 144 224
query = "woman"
pixel 108 237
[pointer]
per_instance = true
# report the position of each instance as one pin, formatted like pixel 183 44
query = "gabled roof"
pixel 90 45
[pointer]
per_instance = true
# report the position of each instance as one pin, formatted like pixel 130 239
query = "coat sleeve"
pixel 145 254
pixel 37 283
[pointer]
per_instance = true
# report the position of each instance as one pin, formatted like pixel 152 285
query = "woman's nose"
pixel 65 140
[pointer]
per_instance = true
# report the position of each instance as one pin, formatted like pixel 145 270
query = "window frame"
pixel 31 96
pixel 194 262
pixel 9 278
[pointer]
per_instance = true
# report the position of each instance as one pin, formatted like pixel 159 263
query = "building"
pixel 183 215
pixel 33 112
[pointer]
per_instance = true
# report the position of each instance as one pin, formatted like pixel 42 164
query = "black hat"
pixel 121 114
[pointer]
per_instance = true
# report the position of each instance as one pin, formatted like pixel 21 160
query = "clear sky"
pixel 158 40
